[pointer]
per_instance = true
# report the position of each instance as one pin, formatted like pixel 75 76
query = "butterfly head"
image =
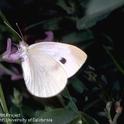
pixel 23 46
pixel 23 50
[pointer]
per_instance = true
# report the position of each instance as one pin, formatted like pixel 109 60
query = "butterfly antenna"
pixel 20 31
pixel 20 36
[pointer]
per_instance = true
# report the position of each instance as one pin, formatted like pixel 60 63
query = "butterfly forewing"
pixel 44 77
pixel 69 56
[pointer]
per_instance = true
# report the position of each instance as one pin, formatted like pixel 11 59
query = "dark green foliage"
pixel 95 94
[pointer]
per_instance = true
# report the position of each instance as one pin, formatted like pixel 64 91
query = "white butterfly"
pixel 47 66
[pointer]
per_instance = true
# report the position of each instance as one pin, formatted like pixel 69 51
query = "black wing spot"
pixel 62 60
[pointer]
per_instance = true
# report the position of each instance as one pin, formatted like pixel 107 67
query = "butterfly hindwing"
pixel 44 77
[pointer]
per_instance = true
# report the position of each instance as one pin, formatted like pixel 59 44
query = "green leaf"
pixel 97 10
pixel 99 6
pixel 90 20
pixel 77 37
pixel 71 105
pixel 78 85
pixel 51 24
pixel 1 111
pixel 68 8
pixel 90 120
pixel 27 110
pixel 77 120
pixel 84 119
pixel 115 61
pixel 14 109
pixel 17 98
pixel 58 116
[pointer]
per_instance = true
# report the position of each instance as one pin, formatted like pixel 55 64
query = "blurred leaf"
pixel 50 24
pixel 63 5
pixel 97 10
pixel 24 111
pixel 68 8
pixel 71 105
pixel 108 106
pixel 91 104
pixel 3 28
pixel 84 119
pixel 17 98
pixel 99 6
pixel 58 116
pixel 14 109
pixel 102 114
pixel 114 60
pixel 89 119
pixel 77 37
pixel 28 111
pixel 116 86
pixel 90 20
pixel 104 79
pixel 77 120
pixel 108 109
pixel 1 111
pixel 78 85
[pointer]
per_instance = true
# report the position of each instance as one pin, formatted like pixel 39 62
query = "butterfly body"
pixel 48 65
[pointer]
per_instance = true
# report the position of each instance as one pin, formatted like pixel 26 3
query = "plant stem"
pixel 4 19
pixel 73 105
pixel 114 61
pixel 7 71
pixel 2 100
pixel 61 100
pixel 3 103
pixel 115 118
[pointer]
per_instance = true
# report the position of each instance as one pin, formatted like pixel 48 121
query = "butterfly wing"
pixel 44 77
pixel 69 56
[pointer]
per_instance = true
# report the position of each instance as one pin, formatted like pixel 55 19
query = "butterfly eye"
pixel 62 60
